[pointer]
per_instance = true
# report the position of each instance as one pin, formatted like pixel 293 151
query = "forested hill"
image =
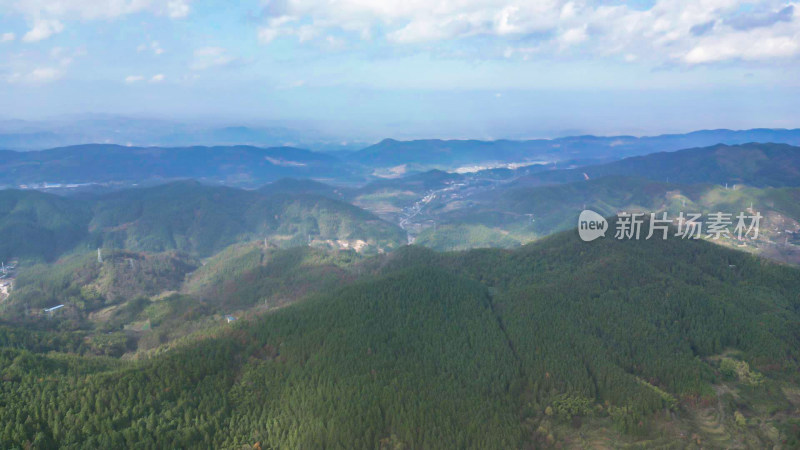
pixel 302 186
pixel 203 220
pixel 38 225
pixel 608 343
pixel 186 216
pixel 556 206
pixel 775 165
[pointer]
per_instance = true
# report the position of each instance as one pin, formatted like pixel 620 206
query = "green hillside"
pixel 39 226
pixel 302 186
pixel 464 236
pixel 133 301
pixel 84 283
pixel 186 216
pixel 248 274
pixel 202 220
pixel 610 343
pixel 512 215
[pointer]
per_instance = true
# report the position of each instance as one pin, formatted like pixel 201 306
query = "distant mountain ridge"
pixel 774 165
pixel 448 154
pixel 145 132
pixel 106 163
pixel 246 165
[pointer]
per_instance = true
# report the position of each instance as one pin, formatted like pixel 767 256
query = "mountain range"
pixel 186 216
pixel 158 312
pixel 775 165
pixel 100 163
pixel 151 132
pixel 451 154
pixel 249 166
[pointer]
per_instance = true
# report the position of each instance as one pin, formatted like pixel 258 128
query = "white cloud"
pixel 277 27
pixel 157 78
pixel 281 25
pixel 44 67
pixel 335 43
pixel 153 46
pixel 43 29
pixel 7 37
pixel 36 76
pixel 130 79
pixel 177 9
pixel 95 9
pixel 749 46
pixel 208 57
pixel 420 31
pixel 687 31
pixel 267 34
pixel 573 36
pixel 505 23
pixel 61 55
pixel 45 74
pixel 48 16
pixel 65 56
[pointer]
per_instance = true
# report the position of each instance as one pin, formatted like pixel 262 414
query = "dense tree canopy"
pixel 431 350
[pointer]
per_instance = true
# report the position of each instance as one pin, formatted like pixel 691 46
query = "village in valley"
pixel 7 275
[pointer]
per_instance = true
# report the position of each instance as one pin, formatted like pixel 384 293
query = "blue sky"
pixel 409 68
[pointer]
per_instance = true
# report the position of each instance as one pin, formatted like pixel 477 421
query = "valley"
pixel 433 310
pixel 397 225
pixel 489 209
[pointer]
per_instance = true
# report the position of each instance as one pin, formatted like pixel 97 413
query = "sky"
pixel 399 68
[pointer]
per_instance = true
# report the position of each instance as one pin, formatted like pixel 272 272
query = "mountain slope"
pixel 510 214
pixel 39 226
pixel 247 274
pixel 481 349
pixel 80 281
pixel 202 219
pixel 186 216
pixel 302 186
pixel 773 165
